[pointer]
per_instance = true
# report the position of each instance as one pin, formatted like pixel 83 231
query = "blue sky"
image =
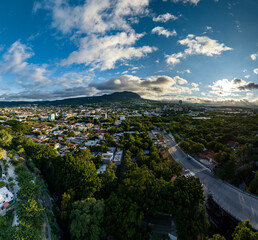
pixel 195 50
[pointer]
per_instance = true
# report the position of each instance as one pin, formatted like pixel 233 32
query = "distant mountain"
pixel 125 96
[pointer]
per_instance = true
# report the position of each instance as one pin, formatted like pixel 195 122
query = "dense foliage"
pixel 114 204
pixel 242 232
pixel 236 162
pixel 29 210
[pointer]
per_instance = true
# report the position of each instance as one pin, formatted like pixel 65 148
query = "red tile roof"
pixel 6 204
pixel 207 154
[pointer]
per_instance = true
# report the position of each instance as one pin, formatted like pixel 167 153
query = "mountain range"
pixel 124 97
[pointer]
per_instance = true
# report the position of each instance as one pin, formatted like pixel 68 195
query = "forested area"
pixel 114 204
pixel 123 197
pixel 140 186
pixel 234 140
pixel 242 232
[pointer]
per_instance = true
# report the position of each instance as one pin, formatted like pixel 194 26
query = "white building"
pixel 91 143
pixel 122 118
pixel 6 200
pixel 107 157
pixel 118 157
pixel 102 169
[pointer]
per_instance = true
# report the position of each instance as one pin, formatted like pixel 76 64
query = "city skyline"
pixel 194 50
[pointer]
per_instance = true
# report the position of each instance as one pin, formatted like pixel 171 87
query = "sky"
pixel 194 50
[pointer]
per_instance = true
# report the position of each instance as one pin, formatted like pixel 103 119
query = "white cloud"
pixel 26 74
pixel 203 45
pixel 93 16
pixel 195 2
pixel 224 87
pixel 151 87
pixel 163 31
pixel 104 52
pixel 174 58
pixel 15 57
pixel 197 46
pixel 184 71
pixel 49 94
pixel 180 80
pixel 247 76
pixel 254 56
pixel 255 70
pixel 208 28
pixel 91 25
pixel 249 95
pixel 238 26
pixel 72 79
pixel 165 17
pixel 195 85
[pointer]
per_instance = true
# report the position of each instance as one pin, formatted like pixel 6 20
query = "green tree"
pixel 84 155
pixel 28 190
pixel 190 216
pixel 121 218
pixel 19 127
pixel 185 145
pixel 253 185
pixel 66 204
pixel 30 212
pixel 216 237
pixel 108 181
pixel 5 138
pixel 6 230
pixel 86 219
pixel 197 148
pixel 26 231
pixel 79 175
pixel 244 232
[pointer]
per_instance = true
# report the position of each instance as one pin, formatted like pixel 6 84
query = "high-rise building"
pixel 51 117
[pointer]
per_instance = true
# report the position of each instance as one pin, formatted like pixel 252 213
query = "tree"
pixel 84 155
pixel 30 212
pixel 135 184
pixel 26 231
pixel 6 226
pixel 79 175
pixel 244 232
pixel 190 216
pixel 19 127
pixel 167 169
pixel 253 185
pixel 122 218
pixel 28 190
pixel 66 204
pixel 5 138
pixel 197 147
pixel 87 218
pixel 24 175
pixel 216 237
pixel 108 181
pixel 185 145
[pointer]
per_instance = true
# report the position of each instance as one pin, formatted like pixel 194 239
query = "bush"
pixel 2 184
pixel 6 166
pixel 14 161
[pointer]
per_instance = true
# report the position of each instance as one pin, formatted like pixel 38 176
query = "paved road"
pixel 238 204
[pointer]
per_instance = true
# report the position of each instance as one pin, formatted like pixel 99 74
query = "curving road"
pixel 238 204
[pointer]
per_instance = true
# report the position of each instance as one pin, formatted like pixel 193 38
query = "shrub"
pixel 2 184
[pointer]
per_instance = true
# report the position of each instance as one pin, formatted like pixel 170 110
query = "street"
pixel 239 204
